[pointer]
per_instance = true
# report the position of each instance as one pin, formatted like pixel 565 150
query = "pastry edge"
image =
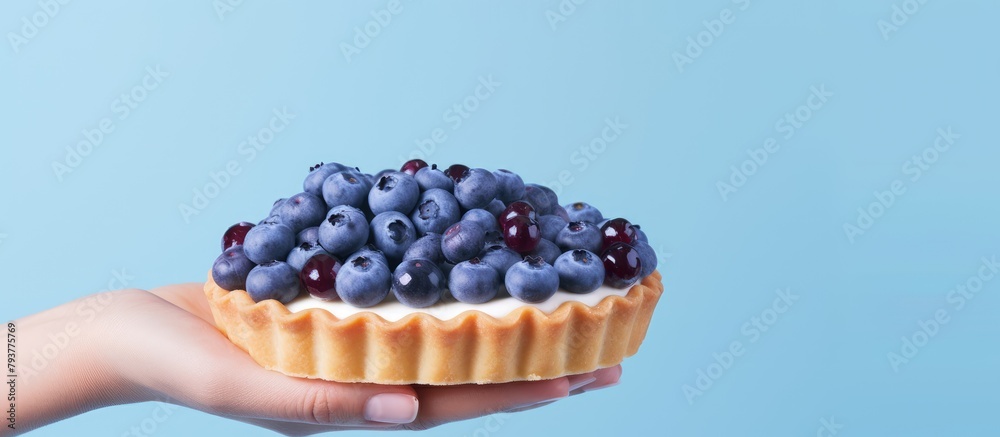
pixel 471 348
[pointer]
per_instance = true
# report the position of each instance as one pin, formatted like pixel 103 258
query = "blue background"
pixel 826 358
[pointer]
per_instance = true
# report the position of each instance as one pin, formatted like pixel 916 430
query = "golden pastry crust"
pixel 473 347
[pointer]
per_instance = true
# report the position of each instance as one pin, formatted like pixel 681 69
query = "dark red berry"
pixel 456 172
pixel 522 234
pixel 235 235
pixel 319 275
pixel 412 166
pixel 516 209
pixel 618 230
pixel 621 265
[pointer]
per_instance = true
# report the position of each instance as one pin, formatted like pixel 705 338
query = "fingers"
pixel 443 404
pixel 180 355
pixel 603 378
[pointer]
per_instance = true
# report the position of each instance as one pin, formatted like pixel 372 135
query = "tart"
pixel 472 347
pixel 392 301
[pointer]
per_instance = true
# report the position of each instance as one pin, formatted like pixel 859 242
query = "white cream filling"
pixel 392 310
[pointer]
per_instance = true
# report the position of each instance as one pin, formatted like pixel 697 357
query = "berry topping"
pixel 622 265
pixel 319 276
pixel 515 209
pixel 522 234
pixel 417 283
pixel 617 230
pixel 235 235
pixel 412 166
pixel 532 280
pixel 456 171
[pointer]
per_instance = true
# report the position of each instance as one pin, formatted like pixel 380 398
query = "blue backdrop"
pixel 817 177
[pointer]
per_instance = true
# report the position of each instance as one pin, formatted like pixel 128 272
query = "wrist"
pixel 63 366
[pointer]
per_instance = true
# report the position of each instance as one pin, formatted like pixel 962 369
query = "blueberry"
pixel 647 258
pixel 272 219
pixel 462 241
pixel 583 212
pixel 317 174
pixel 476 188
pixel 379 175
pixel 580 235
pixel 494 238
pixel 483 217
pixel 268 242
pixel 274 280
pixel 393 233
pixel 344 231
pixel 302 211
pixel 639 234
pixel 561 213
pixel 231 268
pixel 346 188
pixel 551 225
pixel 417 283
pixel 473 282
pixel 500 258
pixel 547 250
pixel 436 210
pixel 580 271
pixel 308 235
pixel 542 198
pixel 496 207
pixel 510 186
pixel 371 252
pixel 427 247
pixel 300 254
pixel 532 280
pixel 276 206
pixel 363 281
pixel 431 177
pixel 395 191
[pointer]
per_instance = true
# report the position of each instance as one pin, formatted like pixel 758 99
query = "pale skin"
pixel 162 345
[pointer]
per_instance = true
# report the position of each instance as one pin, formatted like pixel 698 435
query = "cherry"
pixel 319 275
pixel 522 234
pixel 621 265
pixel 456 172
pixel 412 166
pixel 516 209
pixel 618 230
pixel 235 235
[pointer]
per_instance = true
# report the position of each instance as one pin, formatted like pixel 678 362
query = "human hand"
pixel 163 345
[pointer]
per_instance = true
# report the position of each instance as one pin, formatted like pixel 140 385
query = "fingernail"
pixel 391 408
pixel 595 387
pixel 530 407
pixel 578 381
